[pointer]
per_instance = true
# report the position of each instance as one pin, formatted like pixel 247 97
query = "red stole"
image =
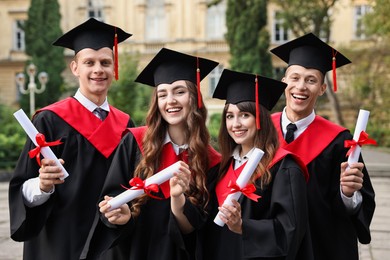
pixel 317 136
pixel 222 189
pixel 169 157
pixel 103 135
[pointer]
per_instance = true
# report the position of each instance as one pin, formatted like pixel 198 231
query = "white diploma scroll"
pixel 361 125
pixel 242 180
pixel 130 194
pixel 32 132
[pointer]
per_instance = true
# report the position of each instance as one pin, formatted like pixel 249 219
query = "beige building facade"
pixel 183 25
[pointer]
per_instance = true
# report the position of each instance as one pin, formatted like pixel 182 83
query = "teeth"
pixel 173 110
pixel 299 96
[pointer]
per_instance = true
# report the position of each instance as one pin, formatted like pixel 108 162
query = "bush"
pixel 12 138
pixel 213 127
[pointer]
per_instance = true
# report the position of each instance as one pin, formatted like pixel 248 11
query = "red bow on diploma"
pixel 138 184
pixel 248 190
pixel 363 139
pixel 41 141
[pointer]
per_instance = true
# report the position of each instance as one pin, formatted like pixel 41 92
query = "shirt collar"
pixel 301 124
pixel 176 147
pixel 88 104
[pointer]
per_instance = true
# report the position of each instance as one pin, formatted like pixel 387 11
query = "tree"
pixel 127 95
pixel 41 29
pixel 302 17
pixel 247 36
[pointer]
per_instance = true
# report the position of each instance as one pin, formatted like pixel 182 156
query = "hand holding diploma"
pixel 135 191
pixel 242 180
pixel 351 177
pixel 39 140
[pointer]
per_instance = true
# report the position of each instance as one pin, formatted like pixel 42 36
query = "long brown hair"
pixel 197 137
pixel 265 139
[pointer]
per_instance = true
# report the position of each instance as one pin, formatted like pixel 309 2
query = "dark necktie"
pixel 101 113
pixel 290 132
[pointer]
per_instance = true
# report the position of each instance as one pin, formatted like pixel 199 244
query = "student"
pixel 341 200
pixel 53 216
pixel 175 131
pixel 274 226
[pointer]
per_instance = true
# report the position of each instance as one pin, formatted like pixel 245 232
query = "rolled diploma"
pixel 361 125
pixel 158 178
pixel 242 180
pixel 32 132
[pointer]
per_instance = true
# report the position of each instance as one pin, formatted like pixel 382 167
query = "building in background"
pixel 188 26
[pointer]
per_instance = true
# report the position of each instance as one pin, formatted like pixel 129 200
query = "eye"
pixel 245 115
pixel 229 116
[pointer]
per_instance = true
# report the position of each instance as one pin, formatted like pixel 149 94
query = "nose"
pixel 237 122
pixel 98 68
pixel 300 84
pixel 171 99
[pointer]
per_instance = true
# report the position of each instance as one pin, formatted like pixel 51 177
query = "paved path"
pixel 378 164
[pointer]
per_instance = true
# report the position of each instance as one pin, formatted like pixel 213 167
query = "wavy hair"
pixel 197 137
pixel 266 139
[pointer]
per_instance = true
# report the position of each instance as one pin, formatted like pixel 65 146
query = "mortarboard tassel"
pixel 257 103
pixel 198 83
pixel 116 70
pixel 334 70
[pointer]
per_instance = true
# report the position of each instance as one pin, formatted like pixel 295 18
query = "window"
pixel 215 21
pixel 279 33
pixel 19 43
pixel 95 9
pixel 214 76
pixel 155 20
pixel 360 11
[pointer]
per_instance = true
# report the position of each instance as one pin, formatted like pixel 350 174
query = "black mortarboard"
pixel 236 87
pixel 95 35
pixel 169 66
pixel 311 52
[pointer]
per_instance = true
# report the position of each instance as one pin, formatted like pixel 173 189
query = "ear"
pixel 323 89
pixel 73 67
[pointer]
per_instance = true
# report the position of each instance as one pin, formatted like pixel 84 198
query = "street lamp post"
pixel 32 87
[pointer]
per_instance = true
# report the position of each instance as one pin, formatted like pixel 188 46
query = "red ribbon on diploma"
pixel 248 190
pixel 41 141
pixel 363 139
pixel 138 184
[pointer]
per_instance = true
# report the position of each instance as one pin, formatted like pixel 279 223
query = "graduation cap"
pixel 95 35
pixel 236 87
pixel 169 66
pixel 311 52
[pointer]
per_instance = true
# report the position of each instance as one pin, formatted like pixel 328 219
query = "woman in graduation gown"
pixel 175 131
pixel 274 225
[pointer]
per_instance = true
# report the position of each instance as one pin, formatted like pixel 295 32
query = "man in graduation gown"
pixel 53 215
pixel 341 200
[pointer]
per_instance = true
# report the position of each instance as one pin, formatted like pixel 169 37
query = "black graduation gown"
pixel 57 229
pixel 334 232
pixel 154 234
pixel 274 227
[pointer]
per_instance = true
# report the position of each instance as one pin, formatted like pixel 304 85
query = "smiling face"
pixel 95 70
pixel 241 126
pixel 304 86
pixel 174 103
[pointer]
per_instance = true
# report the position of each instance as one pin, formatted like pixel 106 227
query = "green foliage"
pixel 248 37
pixel 302 17
pixel 41 29
pixel 12 138
pixel 127 95
pixel 377 22
pixel 213 127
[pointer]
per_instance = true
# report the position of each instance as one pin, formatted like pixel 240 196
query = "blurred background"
pixel 236 33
